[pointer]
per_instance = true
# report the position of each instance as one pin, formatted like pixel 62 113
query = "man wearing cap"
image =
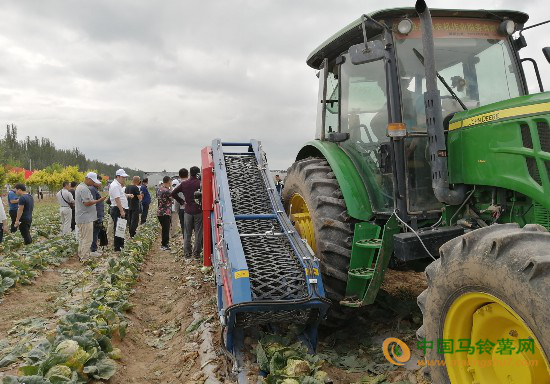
pixel 119 203
pixel 86 214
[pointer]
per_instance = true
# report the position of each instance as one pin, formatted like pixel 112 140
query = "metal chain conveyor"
pixel 265 273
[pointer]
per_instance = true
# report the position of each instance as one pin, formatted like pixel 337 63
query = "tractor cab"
pixel 372 84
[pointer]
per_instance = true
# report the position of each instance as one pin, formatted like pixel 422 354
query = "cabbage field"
pixel 75 345
pixel 148 316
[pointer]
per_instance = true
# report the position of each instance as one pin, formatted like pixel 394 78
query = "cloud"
pixel 148 84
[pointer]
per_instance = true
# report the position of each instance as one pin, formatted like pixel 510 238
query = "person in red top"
pixel 164 212
pixel 193 213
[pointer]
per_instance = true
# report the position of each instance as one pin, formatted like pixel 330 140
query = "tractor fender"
pixel 352 185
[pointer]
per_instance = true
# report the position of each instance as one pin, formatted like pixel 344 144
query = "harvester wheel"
pixel 315 204
pixel 488 301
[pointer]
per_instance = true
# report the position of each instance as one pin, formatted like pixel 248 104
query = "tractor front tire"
pixel 492 281
pixel 314 181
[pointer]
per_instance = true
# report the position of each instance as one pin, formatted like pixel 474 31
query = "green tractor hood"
pixel 504 144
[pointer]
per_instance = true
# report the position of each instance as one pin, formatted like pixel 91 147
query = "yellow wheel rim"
pixel 516 356
pixel 299 214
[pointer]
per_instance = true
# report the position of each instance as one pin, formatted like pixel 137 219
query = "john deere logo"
pixel 396 351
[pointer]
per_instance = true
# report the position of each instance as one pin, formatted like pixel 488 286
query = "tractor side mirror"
pixel 546 51
pixel 375 50
pixel 338 137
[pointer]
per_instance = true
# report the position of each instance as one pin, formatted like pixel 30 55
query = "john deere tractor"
pixel 429 147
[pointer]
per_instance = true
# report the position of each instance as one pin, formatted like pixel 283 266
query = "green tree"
pixel 13 178
pixel 43 154
pixel 3 173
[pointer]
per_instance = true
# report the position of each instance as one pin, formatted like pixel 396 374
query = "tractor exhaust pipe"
pixel 434 118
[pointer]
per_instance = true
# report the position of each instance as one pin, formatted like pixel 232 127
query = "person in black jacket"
pixel 134 198
pixel 184 175
pixel 146 201
pixel 72 190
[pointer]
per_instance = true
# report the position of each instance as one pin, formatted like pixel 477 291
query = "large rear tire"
pixel 492 283
pixel 328 228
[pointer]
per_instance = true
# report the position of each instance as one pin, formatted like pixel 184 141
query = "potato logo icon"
pixel 402 355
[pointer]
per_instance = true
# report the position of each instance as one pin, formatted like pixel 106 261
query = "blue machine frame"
pixel 234 292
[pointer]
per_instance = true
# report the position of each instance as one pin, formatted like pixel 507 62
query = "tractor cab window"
pixel 331 116
pixel 471 56
pixel 364 115
pixel 475 61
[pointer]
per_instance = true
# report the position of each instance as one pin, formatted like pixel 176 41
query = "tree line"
pixel 41 153
pixel 51 177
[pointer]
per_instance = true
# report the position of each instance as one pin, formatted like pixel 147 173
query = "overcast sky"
pixel 147 84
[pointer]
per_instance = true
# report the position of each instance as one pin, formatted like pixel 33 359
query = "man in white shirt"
pixel 65 200
pixel 3 221
pixel 86 214
pixel 119 204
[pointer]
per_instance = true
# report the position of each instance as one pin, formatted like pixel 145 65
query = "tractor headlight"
pixel 405 26
pixel 507 27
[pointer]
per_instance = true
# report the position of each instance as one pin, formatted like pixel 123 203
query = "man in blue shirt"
pixel 146 201
pixel 24 212
pixel 98 224
pixel 13 201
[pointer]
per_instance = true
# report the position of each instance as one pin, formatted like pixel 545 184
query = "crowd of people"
pixel 82 211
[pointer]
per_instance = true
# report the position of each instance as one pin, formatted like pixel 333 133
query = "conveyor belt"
pixel 248 192
pixel 275 271
pixel 264 271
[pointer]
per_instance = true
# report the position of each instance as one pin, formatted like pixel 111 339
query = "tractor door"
pixel 364 116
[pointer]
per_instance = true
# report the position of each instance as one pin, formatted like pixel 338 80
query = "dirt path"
pixel 172 298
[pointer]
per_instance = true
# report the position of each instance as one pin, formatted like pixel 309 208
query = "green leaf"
pixel 60 371
pixel 105 369
pixel 261 358
pixel 7 360
pixel 353 364
pixel 10 380
pixel 122 329
pixel 115 354
pixel 373 380
pixel 55 379
pixel 105 344
pixel 277 364
pixel 8 272
pixel 7 282
pixel 29 370
pixel 27 380
pixel 195 325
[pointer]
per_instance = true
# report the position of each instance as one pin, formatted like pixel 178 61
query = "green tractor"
pixel 428 147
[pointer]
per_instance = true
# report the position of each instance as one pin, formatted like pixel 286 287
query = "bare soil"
pixel 171 294
pixel 407 284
